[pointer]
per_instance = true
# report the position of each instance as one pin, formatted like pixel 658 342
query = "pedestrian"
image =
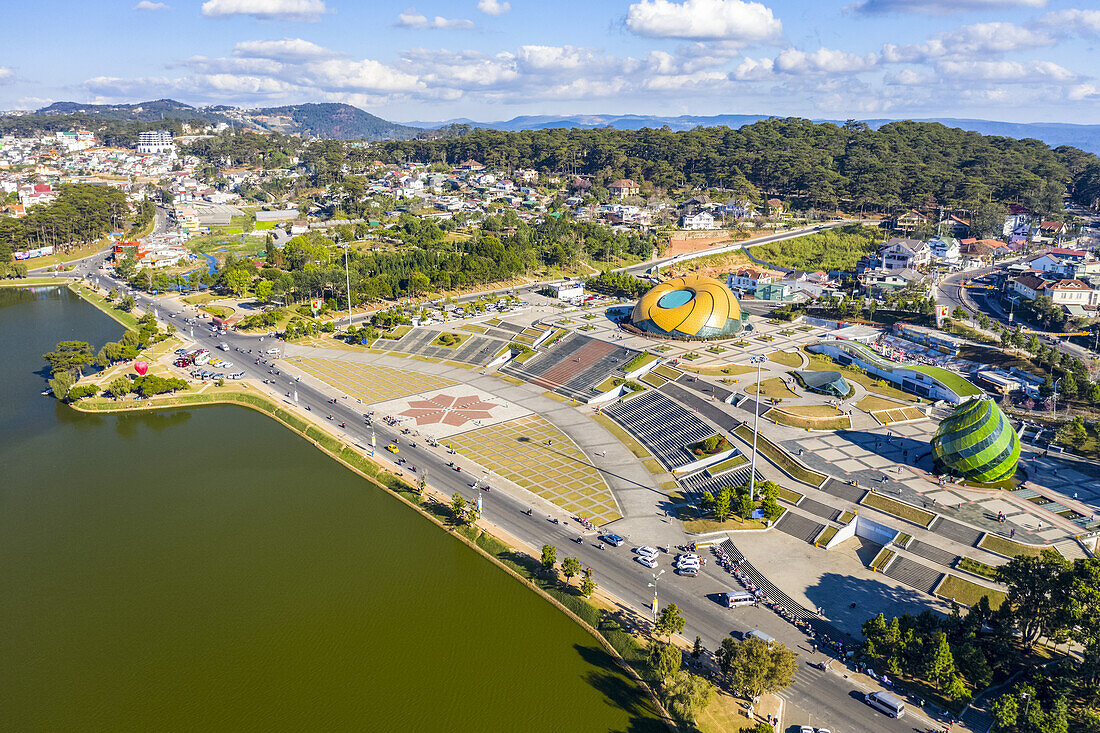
pixel 1012 534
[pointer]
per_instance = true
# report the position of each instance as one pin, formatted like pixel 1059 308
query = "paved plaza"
pixel 370 383
pixel 532 453
pixel 451 410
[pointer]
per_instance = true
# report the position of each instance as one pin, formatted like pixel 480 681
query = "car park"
pixel 649 562
pixel 613 539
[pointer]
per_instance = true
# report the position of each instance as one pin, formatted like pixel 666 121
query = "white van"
pixel 738 598
pixel 273 351
pixel 758 634
pixel 886 703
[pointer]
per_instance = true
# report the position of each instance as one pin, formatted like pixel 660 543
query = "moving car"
pixel 613 539
pixel 391 448
pixel 886 703
pixel 733 599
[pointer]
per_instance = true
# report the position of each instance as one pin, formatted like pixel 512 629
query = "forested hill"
pixel 156 110
pixel 902 164
pixel 336 122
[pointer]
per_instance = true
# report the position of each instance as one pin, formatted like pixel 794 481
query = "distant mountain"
pixel 1086 137
pixel 160 109
pixel 330 121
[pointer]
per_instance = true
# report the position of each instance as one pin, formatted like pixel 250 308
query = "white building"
pixel 700 220
pixel 155 142
pixel 568 289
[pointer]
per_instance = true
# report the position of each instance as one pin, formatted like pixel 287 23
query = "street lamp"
pixel 759 361
pixel 653 585
pixel 347 277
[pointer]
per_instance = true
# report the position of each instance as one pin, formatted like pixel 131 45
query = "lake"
pixel 209 570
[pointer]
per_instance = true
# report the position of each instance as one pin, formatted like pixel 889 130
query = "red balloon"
pixel 141 367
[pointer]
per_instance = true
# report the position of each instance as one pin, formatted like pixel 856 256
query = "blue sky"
pixel 1016 60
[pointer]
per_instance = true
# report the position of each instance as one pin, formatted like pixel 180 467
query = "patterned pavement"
pixel 370 383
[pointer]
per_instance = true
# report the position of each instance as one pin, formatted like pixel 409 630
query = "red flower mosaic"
pixel 448 410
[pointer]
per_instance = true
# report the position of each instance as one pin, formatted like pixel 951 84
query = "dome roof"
pixel 977 441
pixel 689 307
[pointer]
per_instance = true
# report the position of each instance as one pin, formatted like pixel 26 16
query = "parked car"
pixel 613 539
pixel 649 562
pixel 646 551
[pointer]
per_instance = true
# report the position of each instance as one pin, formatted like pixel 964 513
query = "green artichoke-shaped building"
pixel 977 441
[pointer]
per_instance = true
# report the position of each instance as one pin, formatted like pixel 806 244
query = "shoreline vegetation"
pixel 515 561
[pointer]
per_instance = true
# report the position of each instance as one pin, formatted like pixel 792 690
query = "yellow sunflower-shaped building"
pixel 692 307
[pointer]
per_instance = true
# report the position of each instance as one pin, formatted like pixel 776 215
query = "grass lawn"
pixel 787 495
pixel 732 462
pixel 899 509
pixel 27 282
pixel 794 418
pixel 1007 547
pixel 640 361
pixel 84 250
pixel 780 457
pixel 624 437
pixel 461 338
pixel 653 466
pixel 199 298
pixel 882 559
pixel 978 568
pixel 826 535
pixel 92 296
pixel 790 359
pixel 888 417
pixel 726 714
pixel 396 333
pixel 221 311
pixel 774 388
pixel 817 362
pixel 728 370
pixel 846 517
pixel 695 523
pixel 263 226
pixel 474 327
pixel 870 403
pixel 968 593
pixel 901 540
pixel 667 372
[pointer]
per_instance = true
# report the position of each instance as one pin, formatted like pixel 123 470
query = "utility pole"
pixel 653 585
pixel 758 360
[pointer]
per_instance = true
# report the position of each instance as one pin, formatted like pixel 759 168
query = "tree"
pixel 1005 710
pixel 957 690
pixel 588 586
pixel 697 648
pixel 263 290
pixel 458 508
pixel 664 659
pixel 61 383
pixel 238 280
pixel 959 314
pixel 119 387
pixel 670 621
pixel 70 357
pixel 687 695
pixel 940 664
pixel 758 667
pixel 722 503
pixel 570 566
pixel 127 303
pixel 1037 588
pixel 725 654
pixel 549 558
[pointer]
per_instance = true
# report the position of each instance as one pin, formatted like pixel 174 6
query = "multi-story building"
pixel 155 142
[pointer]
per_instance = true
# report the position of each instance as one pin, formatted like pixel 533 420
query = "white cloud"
pixel 149 5
pixel 367 75
pixel 461 69
pixel 908 78
pixel 285 49
pixel 980 39
pixel 494 7
pixel 307 10
pixel 731 20
pixel 823 61
pixel 1078 92
pixel 555 58
pixel 1081 21
pixel 754 69
pixel 1012 72
pixel 6 75
pixel 939 7
pixel 412 19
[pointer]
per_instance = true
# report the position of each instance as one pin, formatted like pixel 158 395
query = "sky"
pixel 488 60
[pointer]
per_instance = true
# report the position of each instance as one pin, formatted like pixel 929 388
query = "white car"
pixel 649 562
pixel 687 559
pixel 646 551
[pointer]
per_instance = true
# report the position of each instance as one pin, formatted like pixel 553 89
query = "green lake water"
pixel 209 570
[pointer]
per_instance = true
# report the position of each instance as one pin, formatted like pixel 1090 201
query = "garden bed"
pixel 639 361
pixel 450 340
pixel 827 534
pixel 882 559
pixel 898 509
pixel 726 465
pixel 780 457
pixel 968 593
pixel 711 446
pixel 1009 548
pixel 794 417
pixel 978 568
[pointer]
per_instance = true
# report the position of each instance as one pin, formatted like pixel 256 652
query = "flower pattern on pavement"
pixel 449 410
